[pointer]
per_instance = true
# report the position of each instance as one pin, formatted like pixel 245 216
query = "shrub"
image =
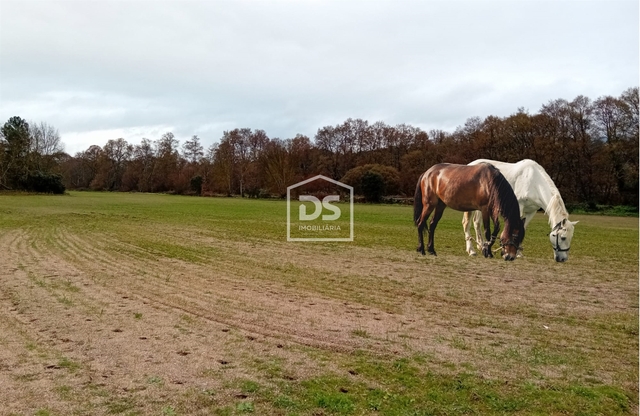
pixel 49 183
pixel 196 184
pixel 373 187
pixel 389 176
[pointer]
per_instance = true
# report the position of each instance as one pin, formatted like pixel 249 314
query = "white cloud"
pixel 100 70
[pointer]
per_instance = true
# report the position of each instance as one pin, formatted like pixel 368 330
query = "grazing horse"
pixel 468 188
pixel 534 189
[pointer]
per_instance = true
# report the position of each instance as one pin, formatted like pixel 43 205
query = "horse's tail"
pixel 417 201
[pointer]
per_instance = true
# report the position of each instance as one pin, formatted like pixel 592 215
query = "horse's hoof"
pixel 433 253
pixel 472 253
pixel 420 250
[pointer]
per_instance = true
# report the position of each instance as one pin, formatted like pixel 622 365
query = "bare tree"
pixel 167 162
pixel 45 146
pixel 277 165
pixel 192 150
pixel 45 139
pixel 225 161
pixel 112 163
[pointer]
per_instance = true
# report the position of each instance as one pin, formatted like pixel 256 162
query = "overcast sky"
pixel 100 70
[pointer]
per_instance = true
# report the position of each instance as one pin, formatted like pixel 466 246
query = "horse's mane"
pixel 555 208
pixel 502 197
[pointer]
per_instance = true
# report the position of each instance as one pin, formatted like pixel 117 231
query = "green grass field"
pixel 155 304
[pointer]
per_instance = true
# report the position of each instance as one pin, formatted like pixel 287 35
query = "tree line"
pixel 31 157
pixel 589 148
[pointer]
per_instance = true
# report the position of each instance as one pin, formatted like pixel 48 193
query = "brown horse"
pixel 469 188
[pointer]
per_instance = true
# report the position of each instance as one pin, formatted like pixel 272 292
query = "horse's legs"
pixel 491 237
pixel 494 234
pixel 426 211
pixel 420 248
pixel 477 226
pixel 432 225
pixel 466 225
pixel 528 216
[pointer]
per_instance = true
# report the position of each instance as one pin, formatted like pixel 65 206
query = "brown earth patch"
pixel 95 324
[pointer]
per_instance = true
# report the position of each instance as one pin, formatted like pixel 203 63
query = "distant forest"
pixel 589 148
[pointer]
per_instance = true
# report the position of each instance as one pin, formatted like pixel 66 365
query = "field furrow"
pixel 105 312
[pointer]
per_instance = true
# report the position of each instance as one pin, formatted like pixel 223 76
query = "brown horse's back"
pixel 459 187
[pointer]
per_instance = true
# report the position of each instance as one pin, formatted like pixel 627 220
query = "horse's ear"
pixel 574 222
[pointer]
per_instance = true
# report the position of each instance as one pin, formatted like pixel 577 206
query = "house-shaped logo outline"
pixel 306 181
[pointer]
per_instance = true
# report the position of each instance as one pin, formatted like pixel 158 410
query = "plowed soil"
pixel 96 322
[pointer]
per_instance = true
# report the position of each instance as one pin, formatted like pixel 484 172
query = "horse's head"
pixel 560 238
pixel 510 239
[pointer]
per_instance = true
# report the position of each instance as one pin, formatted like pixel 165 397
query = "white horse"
pixel 534 189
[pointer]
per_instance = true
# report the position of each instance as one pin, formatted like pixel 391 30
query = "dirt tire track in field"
pixel 99 341
pixel 26 326
pixel 96 347
pixel 252 307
